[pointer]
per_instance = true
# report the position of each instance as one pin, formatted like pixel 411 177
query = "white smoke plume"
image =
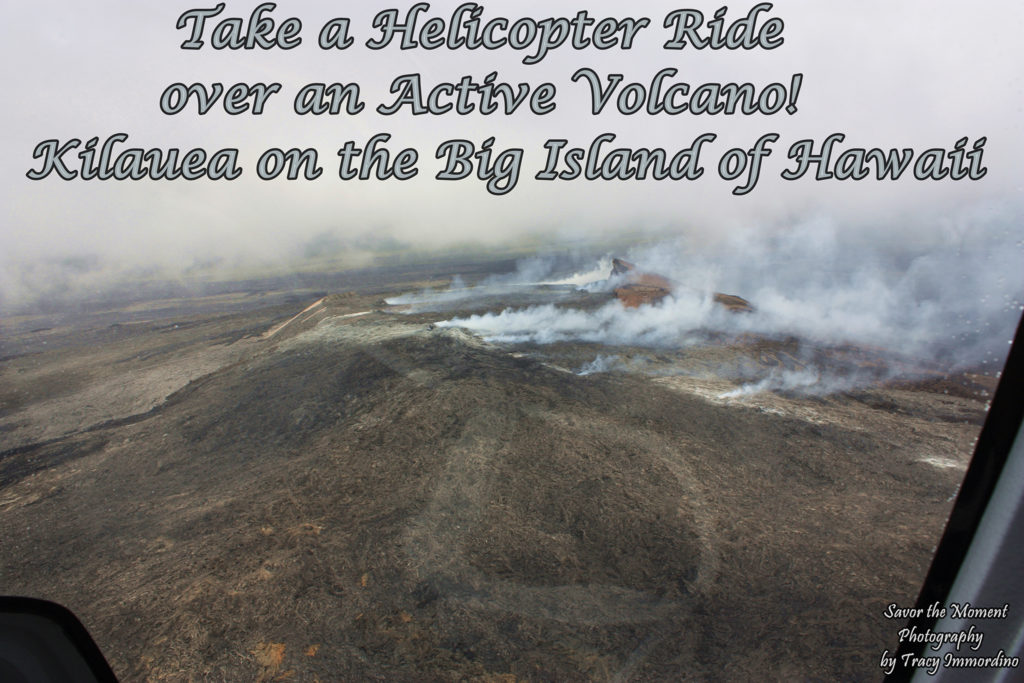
pixel 954 296
pixel 670 323
pixel 601 363
pixel 807 381
pixel 544 271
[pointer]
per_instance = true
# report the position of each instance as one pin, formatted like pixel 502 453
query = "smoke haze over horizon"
pixel 920 74
pixel 954 300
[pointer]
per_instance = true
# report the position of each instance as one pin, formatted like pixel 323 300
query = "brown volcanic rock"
pixel 621 266
pixel 648 288
pixel 734 303
pixel 640 288
pixel 636 295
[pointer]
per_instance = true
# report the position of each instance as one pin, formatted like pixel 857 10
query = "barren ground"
pixel 350 493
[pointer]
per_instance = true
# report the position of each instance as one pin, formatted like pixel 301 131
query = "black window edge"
pixel 1001 428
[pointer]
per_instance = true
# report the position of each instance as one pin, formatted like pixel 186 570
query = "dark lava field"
pixel 314 486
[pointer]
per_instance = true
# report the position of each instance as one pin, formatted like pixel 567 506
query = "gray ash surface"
pixel 351 493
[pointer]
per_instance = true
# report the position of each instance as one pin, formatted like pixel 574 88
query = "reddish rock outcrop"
pixel 641 288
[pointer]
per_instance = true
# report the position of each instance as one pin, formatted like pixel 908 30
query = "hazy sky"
pixel 887 74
